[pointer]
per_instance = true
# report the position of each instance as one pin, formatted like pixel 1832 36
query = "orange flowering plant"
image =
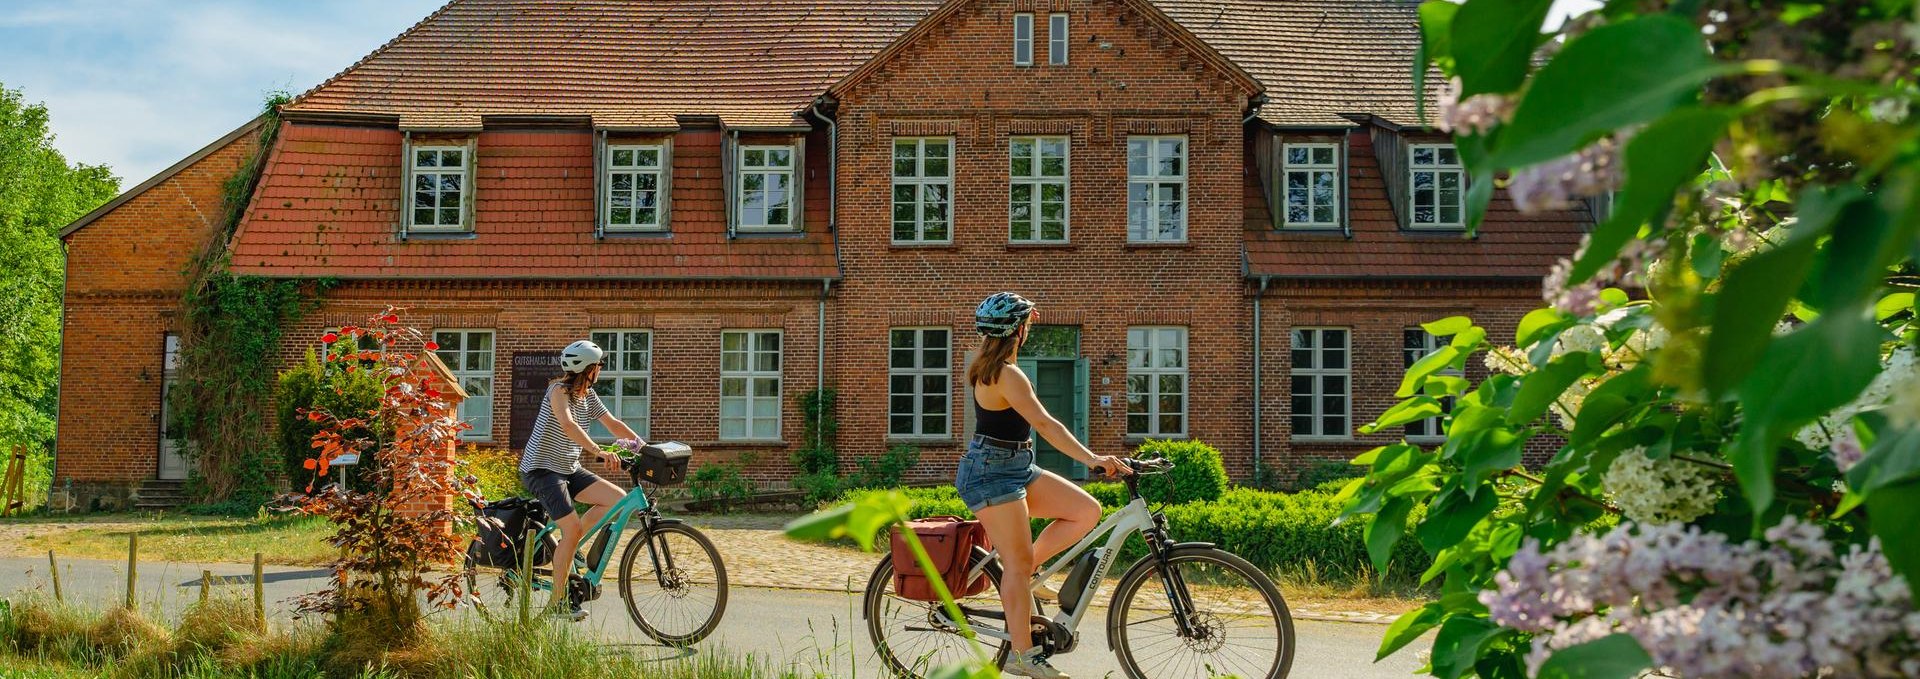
pixel 393 535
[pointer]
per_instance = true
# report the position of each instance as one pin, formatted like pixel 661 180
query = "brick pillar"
pixel 436 376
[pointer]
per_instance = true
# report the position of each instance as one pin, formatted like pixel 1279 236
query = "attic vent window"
pixel 1023 39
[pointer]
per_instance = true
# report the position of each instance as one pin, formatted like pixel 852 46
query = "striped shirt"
pixel 549 447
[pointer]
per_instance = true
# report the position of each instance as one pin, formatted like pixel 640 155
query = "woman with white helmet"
pixel 550 466
pixel 1002 485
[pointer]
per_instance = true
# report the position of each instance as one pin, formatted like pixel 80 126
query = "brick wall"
pixel 1124 77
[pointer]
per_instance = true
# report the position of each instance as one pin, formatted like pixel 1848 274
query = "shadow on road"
pixel 279 576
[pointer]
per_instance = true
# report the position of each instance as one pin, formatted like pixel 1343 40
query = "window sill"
pixel 769 234
pixel 1452 231
pixel 439 235
pixel 1326 440
pixel 1143 438
pixel 740 443
pixel 1427 440
pixel 1062 245
pixel 1157 245
pixel 910 245
pixel 923 440
pixel 1312 231
pixel 659 234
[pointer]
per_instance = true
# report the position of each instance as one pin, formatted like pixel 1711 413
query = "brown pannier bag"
pixel 949 542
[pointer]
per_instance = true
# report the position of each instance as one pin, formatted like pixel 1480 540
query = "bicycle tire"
pixel 652 628
pixel 1147 569
pixel 879 591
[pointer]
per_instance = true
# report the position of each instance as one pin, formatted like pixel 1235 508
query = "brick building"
pixel 1229 213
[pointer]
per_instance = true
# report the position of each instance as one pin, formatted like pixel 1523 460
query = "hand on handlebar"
pixel 1109 465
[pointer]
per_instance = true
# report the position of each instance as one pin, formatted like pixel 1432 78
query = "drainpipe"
pixel 66 277
pixel 833 227
pixel 1256 374
pixel 1346 220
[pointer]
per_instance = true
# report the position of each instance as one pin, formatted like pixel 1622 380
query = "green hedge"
pixel 1199 475
pixel 1284 532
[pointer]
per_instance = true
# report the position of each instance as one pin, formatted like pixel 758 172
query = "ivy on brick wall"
pixel 230 329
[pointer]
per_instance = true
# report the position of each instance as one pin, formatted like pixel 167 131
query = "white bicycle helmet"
pixel 580 355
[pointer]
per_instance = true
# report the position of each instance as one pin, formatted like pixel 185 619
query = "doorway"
pixel 173 464
pixel 1051 359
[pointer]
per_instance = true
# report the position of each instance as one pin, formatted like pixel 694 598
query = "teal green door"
pixel 1063 392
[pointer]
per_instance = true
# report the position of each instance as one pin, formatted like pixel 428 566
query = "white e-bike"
pixel 1186 609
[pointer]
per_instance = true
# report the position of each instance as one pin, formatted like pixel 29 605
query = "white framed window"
pixel 1057 39
pixel 1157 189
pixel 920 382
pixel 1322 383
pixel 1416 343
pixel 765 200
pixel 469 354
pixel 750 385
pixel 922 190
pixel 626 379
pixel 1157 381
pixel 1312 185
pixel 1023 39
pixel 440 175
pixel 1038 195
pixel 633 184
pixel 1437 187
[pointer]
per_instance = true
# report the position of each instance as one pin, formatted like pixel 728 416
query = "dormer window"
pixel 765 197
pixel 1438 185
pixel 1312 176
pixel 439 177
pixel 1023 39
pixel 634 184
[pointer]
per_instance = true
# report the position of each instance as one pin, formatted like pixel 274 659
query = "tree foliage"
pixel 40 192
pixel 1727 365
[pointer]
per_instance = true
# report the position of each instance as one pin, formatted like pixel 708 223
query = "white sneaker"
pixel 1044 592
pixel 1034 664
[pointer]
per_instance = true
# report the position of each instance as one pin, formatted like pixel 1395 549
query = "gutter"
pixel 1257 366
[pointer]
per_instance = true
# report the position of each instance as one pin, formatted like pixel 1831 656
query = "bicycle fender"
pixel 1191 545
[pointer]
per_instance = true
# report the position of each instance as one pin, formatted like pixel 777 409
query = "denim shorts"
pixel 992 475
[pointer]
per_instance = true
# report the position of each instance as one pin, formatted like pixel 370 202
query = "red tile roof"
pixel 755 64
pixel 328 205
pixel 1509 244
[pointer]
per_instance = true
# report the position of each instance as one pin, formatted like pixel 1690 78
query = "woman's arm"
pixel 563 412
pixel 620 429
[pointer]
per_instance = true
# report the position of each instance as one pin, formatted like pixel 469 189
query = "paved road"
pixel 814 631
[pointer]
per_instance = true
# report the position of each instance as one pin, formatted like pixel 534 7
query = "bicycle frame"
pixel 615 523
pixel 1116 528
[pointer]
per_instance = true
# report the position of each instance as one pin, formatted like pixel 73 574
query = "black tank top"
pixel 1006 425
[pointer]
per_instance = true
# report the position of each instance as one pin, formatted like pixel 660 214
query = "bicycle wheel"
pixel 489 591
pixel 674 584
pixel 914 637
pixel 1239 625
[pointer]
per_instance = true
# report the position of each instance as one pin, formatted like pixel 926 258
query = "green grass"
pixel 285 540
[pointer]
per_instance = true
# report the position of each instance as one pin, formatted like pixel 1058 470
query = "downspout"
pixel 833 227
pixel 1257 469
pixel 66 278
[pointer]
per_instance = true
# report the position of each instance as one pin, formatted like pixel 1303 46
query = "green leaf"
pixel 1856 260
pixel 1659 160
pixel 1486 452
pixel 1541 388
pixel 1451 519
pixel 1804 374
pixel 1459 644
pixel 1384 530
pixel 1408 628
pixel 1755 293
pixel 826 524
pixel 1469 340
pixel 1615 656
pixel 1408 411
pixel 1893 512
pixel 1445 385
pixel 1893 305
pixel 1603 407
pixel 1436 46
pixel 1611 77
pixel 1894 458
pixel 1449 326
pixel 1538 324
pixel 1427 365
pixel 1493 43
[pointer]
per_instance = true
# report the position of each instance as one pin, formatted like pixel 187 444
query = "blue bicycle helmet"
pixel 1001 314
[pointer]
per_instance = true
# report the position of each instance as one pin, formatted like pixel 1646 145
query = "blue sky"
pixel 140 84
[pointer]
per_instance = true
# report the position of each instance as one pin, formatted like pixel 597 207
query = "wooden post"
pixel 259 591
pixel 526 579
pixel 13 496
pixel 206 582
pixel 53 566
pixel 133 567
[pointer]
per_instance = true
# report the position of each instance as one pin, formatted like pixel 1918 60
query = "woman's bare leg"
pixel 1074 514
pixel 1012 536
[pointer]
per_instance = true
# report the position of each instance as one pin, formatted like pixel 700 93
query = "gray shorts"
pixel 555 490
pixel 991 474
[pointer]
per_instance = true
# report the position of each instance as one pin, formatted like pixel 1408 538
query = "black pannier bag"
pixel 503 526
pixel 662 464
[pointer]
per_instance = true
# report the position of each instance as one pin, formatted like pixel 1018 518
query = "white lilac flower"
pixel 1845 450
pixel 1507 361
pixel 1576 300
pixel 1555 184
pixel 1660 491
pixel 1475 115
pixel 1581 337
pixel 1894 388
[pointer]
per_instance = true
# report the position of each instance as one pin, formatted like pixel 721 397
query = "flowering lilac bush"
pixel 1726 367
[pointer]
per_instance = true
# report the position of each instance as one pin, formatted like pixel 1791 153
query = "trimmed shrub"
pixel 1199 475
pixel 721 484
pixel 1109 493
pixel 1322 473
pixel 316 385
pixel 498 470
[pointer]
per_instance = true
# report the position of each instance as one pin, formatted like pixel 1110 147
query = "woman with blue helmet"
pixel 1003 486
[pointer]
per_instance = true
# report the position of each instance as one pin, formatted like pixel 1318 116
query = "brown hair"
pixel 578 383
pixel 995 352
